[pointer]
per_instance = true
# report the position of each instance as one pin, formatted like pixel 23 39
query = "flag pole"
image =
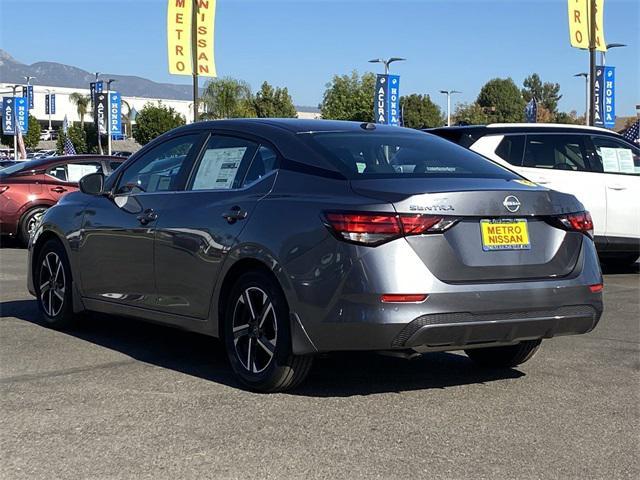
pixel 194 56
pixel 592 62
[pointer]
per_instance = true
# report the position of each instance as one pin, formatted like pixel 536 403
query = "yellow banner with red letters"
pixel 580 24
pixel 183 37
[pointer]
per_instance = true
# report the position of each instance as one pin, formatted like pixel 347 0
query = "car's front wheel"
pixel 52 279
pixel 257 336
pixel 504 357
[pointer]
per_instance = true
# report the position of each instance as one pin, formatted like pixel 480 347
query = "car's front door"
pixel 200 225
pixel 117 238
pixel 620 164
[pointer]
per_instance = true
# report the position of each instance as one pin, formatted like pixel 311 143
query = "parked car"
pixel 29 188
pixel 45 153
pixel 49 134
pixel 599 167
pixel 287 238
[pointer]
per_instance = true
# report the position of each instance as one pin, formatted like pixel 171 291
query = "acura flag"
pixel 387 100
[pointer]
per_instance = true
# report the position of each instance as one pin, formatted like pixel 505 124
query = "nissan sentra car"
pixel 288 238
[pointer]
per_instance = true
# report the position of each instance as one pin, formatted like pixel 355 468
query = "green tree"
pixel 418 111
pixel 349 97
pixel 78 138
pixel 502 101
pixel 32 137
pixel 274 103
pixel 154 120
pixel 82 103
pixel 470 114
pixel 546 94
pixel 227 98
pixel 570 118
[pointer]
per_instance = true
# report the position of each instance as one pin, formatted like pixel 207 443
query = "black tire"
pixel 53 284
pixel 264 336
pixel 620 261
pixel 28 222
pixel 504 357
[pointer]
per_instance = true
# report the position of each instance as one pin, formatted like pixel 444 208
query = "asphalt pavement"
pixel 117 398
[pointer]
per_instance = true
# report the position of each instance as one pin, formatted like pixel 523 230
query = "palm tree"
pixel 82 104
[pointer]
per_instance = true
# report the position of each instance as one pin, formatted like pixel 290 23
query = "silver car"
pixel 287 238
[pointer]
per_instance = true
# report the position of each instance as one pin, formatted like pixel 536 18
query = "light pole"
pixel 109 82
pixel 603 55
pixel 448 93
pixel 586 109
pixel 387 62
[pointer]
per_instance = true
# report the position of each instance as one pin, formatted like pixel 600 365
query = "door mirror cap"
pixel 92 184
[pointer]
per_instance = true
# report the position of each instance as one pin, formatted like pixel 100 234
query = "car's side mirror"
pixel 92 184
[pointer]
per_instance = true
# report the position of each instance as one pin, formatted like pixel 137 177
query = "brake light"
pixel 376 228
pixel 597 288
pixel 579 222
pixel 4 188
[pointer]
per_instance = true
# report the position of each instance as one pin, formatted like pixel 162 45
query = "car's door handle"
pixel 58 189
pixel 236 213
pixel 147 216
pixel 616 187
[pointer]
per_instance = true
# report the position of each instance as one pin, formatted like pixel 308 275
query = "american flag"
pixel 68 148
pixel 633 133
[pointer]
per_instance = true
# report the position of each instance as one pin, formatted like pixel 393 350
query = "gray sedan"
pixel 287 238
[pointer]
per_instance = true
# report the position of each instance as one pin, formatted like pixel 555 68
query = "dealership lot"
pixel 117 398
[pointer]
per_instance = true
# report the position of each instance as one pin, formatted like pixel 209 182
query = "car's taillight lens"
pixel 4 188
pixel 376 228
pixel 579 222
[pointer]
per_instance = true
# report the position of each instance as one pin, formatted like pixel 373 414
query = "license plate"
pixel 503 234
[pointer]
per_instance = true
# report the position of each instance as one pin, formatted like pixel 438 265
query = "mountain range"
pixel 60 75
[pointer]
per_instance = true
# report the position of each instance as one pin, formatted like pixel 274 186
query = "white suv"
pixel 599 167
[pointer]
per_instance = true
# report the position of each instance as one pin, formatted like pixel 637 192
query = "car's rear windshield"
pixel 18 167
pixel 382 155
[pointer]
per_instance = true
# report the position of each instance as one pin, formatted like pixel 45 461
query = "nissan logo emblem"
pixel 511 203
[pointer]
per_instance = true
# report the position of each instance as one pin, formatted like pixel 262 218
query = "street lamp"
pixel 586 95
pixel 109 82
pixel 603 55
pixel 448 93
pixel 387 62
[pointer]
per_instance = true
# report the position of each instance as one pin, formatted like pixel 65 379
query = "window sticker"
pixel 218 168
pixel 625 160
pixel 76 172
pixel 609 159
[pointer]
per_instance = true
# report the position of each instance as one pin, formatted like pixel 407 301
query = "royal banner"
pixel 381 99
pixel 580 23
pixel 180 43
pixel 394 100
pixel 115 113
pixel 605 108
pixel 100 109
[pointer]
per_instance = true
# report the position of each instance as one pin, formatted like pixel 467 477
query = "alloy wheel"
pixel 255 329
pixel 52 284
pixel 33 221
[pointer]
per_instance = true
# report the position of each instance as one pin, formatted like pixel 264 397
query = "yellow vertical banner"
pixel 205 22
pixel 179 20
pixel 580 24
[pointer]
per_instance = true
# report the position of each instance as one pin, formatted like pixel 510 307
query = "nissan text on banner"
pixel 180 44
pixel 579 23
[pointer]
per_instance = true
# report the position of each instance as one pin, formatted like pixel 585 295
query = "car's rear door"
pixel 201 224
pixel 116 244
pixel 619 163
pixel 63 177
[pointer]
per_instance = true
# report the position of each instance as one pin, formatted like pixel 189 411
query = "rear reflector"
pixel 403 298
pixel 598 287
pixel 376 228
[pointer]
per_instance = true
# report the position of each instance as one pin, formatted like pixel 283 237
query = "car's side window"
pixel 511 148
pixel 160 169
pixel 264 161
pixel 615 156
pixel 223 163
pixel 73 171
pixel 555 151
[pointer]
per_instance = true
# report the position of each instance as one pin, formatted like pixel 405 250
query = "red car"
pixel 28 188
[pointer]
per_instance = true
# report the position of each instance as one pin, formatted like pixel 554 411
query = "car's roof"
pixel 294 125
pixel 522 127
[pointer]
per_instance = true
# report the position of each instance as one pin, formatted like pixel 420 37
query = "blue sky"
pixel 455 44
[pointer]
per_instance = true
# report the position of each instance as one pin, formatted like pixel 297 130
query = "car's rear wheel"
pixel 28 223
pixel 52 279
pixel 504 357
pixel 257 336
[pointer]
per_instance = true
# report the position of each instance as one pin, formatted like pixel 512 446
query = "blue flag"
pixel 531 111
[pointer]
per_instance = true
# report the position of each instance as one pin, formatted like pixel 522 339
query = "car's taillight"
pixel 4 188
pixel 579 222
pixel 376 228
